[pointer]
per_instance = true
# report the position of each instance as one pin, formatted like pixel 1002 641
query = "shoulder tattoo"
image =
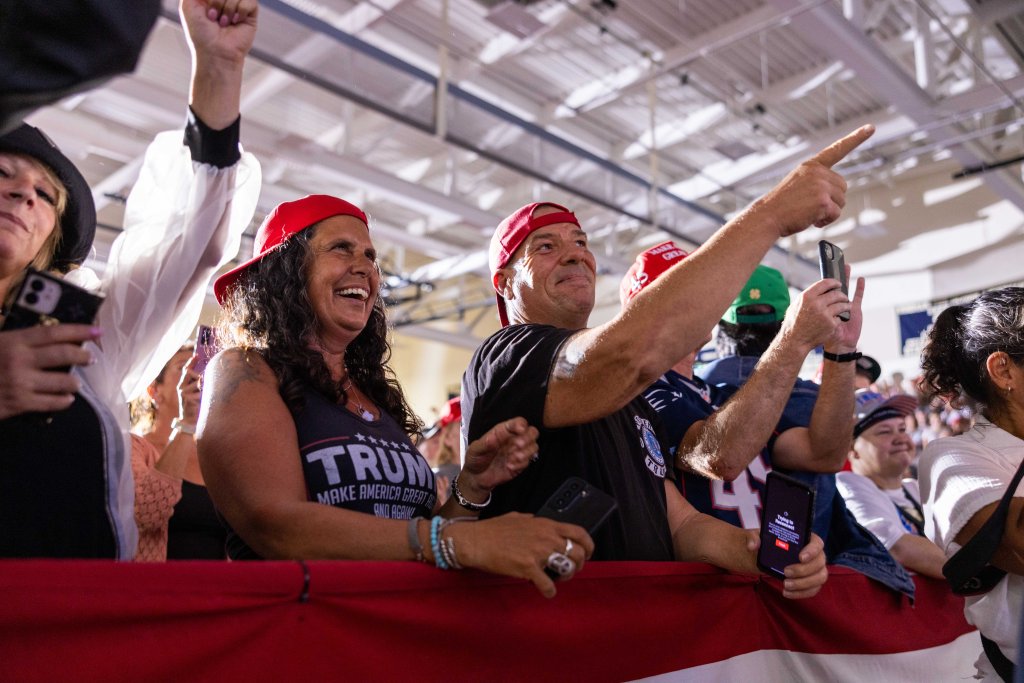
pixel 238 367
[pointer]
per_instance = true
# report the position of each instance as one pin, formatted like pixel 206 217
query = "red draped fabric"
pixel 616 621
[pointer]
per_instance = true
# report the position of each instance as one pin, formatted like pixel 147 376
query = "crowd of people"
pixel 334 464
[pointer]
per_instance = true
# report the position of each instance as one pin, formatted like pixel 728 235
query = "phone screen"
pixel 785 523
pixel 206 348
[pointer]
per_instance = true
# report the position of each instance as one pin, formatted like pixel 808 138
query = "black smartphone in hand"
pixel 577 502
pixel 786 521
pixel 832 262
pixel 45 299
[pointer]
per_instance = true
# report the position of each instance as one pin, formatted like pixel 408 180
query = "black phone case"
pixel 832 263
pixel 577 502
pixel 44 299
pixel 776 483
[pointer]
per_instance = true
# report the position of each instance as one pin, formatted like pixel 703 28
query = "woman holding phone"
pixel 66 484
pixel 324 467
pixel 174 512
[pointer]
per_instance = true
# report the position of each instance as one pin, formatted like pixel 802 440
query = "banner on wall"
pixel 915 322
pixel 914 326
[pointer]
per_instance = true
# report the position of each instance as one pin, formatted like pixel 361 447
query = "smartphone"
pixel 577 502
pixel 206 348
pixel 833 265
pixel 45 299
pixel 786 520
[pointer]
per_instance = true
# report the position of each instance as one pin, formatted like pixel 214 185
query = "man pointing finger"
pixel 812 193
pixel 581 386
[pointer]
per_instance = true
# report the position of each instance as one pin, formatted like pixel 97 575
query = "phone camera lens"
pixel 32 298
pixel 37 285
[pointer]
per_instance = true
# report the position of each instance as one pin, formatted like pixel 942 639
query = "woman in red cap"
pixel 65 482
pixel 305 433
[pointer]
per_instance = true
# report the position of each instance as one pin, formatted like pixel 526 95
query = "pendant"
pixel 366 414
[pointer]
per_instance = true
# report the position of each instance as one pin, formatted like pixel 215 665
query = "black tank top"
pixel 53 485
pixel 195 531
pixel 350 463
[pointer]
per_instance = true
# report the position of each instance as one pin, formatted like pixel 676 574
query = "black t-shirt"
pixel 620 454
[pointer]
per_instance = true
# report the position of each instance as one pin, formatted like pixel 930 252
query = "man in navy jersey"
pixel 806 442
pixel 581 386
pixel 723 449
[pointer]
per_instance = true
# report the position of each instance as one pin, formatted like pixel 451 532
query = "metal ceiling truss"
pixel 674 133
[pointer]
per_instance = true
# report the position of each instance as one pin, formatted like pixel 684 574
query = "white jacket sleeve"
pixel 183 221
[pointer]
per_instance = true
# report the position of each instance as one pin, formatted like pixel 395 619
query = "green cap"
pixel 765 286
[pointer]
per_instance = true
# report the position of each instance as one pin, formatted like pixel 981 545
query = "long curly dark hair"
pixel 962 339
pixel 268 310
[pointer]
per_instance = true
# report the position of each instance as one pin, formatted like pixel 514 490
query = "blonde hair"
pixel 142 408
pixel 44 257
pixel 449 453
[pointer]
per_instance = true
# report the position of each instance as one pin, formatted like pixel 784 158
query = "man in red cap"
pixel 717 438
pixel 581 387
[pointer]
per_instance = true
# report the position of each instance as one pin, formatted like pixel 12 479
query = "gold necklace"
pixel 363 412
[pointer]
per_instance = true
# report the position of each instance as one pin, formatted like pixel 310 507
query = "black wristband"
pixel 842 357
pixel 208 146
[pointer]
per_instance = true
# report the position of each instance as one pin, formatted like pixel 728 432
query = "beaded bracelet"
pixel 445 556
pixel 414 539
pixel 435 542
pixel 448 544
pixel 445 551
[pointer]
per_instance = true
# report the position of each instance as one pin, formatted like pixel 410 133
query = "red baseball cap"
pixel 452 412
pixel 647 267
pixel 511 232
pixel 287 219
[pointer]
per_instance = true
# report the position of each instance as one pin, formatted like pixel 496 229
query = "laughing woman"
pixel 304 436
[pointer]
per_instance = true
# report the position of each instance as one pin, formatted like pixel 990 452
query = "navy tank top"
pixel 369 467
pixel 350 463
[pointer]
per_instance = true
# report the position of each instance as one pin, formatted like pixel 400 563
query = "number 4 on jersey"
pixel 741 495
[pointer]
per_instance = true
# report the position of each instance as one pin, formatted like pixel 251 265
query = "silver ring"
pixel 568 546
pixel 535 457
pixel 560 564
